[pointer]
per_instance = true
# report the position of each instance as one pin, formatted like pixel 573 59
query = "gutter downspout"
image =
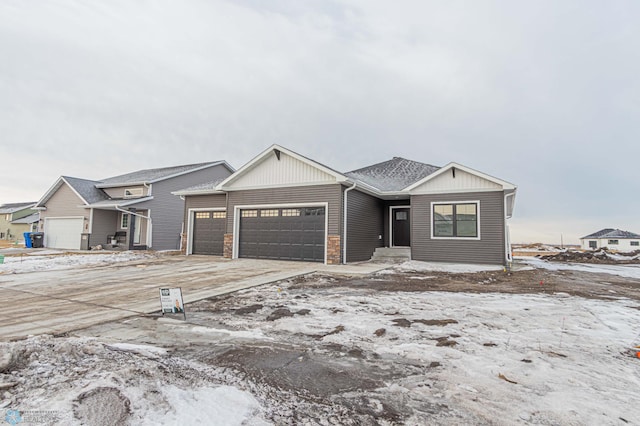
pixel 344 224
pixel 507 239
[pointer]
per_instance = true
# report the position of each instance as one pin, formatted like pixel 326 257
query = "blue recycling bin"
pixel 27 240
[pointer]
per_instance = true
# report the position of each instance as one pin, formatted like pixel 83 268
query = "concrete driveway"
pixel 59 301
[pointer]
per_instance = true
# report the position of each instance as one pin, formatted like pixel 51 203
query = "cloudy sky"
pixel 544 94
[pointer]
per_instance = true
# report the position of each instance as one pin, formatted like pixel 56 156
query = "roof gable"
pixel 277 167
pixel 148 176
pixel 84 189
pixel 455 177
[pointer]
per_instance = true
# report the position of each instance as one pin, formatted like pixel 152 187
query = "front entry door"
pixel 401 232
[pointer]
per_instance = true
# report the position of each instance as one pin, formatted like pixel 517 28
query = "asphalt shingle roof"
pixel 151 175
pixel 15 207
pixel 206 186
pixel 32 218
pixel 87 189
pixel 612 233
pixel 393 175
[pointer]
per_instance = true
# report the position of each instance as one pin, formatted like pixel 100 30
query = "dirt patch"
pixel 537 281
pixel 290 368
pixel 248 310
pixel 601 256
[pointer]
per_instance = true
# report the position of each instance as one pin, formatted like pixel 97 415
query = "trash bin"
pixel 37 239
pixel 1 259
pixel 27 240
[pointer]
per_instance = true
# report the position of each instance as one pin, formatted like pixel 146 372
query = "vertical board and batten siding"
pixel 331 194
pixel 286 170
pixel 365 225
pixel 105 223
pixel 167 210
pixel 490 249
pixel 446 182
pixel 64 203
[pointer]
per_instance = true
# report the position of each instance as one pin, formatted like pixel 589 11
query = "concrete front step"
pixel 395 254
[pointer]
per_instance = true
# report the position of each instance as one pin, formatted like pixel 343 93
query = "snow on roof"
pixel 32 218
pixel 611 233
pixel 153 175
pixel 393 175
pixel 15 207
pixel 86 189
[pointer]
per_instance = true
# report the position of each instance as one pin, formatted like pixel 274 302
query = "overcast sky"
pixel 543 94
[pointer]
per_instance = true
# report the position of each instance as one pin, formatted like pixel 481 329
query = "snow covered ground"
pixel 340 353
pixel 48 260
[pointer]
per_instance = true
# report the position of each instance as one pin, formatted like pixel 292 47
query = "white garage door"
pixel 63 233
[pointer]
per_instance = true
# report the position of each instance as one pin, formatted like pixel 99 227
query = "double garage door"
pixel 283 233
pixel 296 233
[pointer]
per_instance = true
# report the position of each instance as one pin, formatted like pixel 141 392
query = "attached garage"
pixel 63 233
pixel 291 233
pixel 208 232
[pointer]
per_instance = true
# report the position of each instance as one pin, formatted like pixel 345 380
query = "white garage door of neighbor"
pixel 63 233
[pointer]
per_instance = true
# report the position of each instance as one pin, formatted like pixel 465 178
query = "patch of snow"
pixel 223 405
pixel 459 268
pixel 144 350
pixel 38 262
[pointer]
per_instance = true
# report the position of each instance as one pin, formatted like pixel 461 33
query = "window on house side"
pixel 635 243
pixel 613 242
pixel 124 221
pixel 455 220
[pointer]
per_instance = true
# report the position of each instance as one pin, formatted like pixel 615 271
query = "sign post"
pixel 171 301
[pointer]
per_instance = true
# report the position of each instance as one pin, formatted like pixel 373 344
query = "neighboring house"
pixel 282 205
pixel 16 219
pixel 136 210
pixel 611 239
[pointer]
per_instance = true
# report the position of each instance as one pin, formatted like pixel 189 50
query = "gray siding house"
pixel 282 205
pixel 134 211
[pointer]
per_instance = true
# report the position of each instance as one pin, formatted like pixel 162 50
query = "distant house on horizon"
pixel 16 219
pixel 611 239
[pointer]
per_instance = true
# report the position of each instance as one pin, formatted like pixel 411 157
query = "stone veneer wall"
pixel 227 250
pixel 333 249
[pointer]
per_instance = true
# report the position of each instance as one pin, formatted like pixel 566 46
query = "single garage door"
pixel 208 232
pixel 285 233
pixel 63 233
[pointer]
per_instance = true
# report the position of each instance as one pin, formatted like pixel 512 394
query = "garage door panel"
pixel 63 233
pixel 274 235
pixel 208 234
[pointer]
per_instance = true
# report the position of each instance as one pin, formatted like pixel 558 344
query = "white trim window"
pixel 456 220
pixel 124 221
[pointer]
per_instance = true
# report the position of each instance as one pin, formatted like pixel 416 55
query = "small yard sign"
pixel 171 301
